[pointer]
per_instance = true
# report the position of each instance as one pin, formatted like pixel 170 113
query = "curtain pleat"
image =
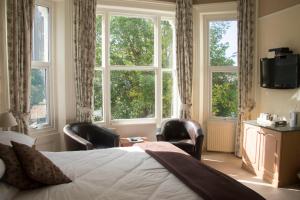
pixel 19 41
pixel 84 56
pixel 184 54
pixel 246 48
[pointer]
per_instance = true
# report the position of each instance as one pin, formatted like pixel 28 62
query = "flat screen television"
pixel 280 72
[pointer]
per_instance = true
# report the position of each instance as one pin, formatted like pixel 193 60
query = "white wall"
pixel 60 67
pixel 279 29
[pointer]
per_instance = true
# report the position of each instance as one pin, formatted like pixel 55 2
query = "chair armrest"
pixel 88 145
pixel 159 135
pixel 196 134
pixel 199 143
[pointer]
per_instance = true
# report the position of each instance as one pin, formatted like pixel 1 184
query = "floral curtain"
pixel 19 43
pixel 184 54
pixel 84 56
pixel 246 42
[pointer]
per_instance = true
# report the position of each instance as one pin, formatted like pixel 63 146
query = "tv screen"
pixel 280 72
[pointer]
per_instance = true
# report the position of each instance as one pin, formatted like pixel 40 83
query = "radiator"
pixel 221 135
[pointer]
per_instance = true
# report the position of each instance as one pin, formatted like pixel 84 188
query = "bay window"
pixel 40 68
pixel 168 71
pixel 134 70
pixel 222 66
pixel 98 81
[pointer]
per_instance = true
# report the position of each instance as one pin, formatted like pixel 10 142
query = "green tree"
pixel 224 88
pixel 224 94
pixel 133 92
pixel 167 44
pixel 167 62
pixel 99 41
pixel 131 41
pixel 38 94
pixel 98 96
pixel 132 44
pixel 98 102
pixel 217 53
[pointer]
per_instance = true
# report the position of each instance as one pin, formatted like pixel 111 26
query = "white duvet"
pixel 118 173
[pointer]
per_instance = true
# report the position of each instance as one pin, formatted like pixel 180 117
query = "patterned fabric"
pixel 246 38
pixel 14 174
pixel 38 167
pixel 3 59
pixel 184 54
pixel 19 40
pixel 84 57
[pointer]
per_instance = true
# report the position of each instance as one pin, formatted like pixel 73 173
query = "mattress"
pixel 116 173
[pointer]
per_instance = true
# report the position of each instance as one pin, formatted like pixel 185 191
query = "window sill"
pixel 229 119
pixel 42 132
pixel 133 121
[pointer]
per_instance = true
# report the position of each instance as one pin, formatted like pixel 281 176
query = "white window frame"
pixel 156 67
pixel 48 66
pixel 211 69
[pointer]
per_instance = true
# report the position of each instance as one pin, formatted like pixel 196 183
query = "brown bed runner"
pixel 207 182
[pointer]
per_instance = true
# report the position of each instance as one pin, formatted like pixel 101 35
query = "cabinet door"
pixel 269 159
pixel 251 147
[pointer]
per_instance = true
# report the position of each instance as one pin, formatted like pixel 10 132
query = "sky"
pixel 231 37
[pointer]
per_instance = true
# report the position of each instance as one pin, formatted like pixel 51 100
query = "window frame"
pixel 156 67
pixel 212 69
pixel 175 93
pixel 48 66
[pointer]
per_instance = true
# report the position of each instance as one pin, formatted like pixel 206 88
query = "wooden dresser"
pixel 272 153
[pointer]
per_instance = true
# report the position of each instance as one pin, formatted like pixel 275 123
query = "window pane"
pixel 40 47
pixel 223 43
pixel 99 40
pixel 167 44
pixel 224 94
pixel 132 94
pixel 38 98
pixel 131 41
pixel 167 94
pixel 98 104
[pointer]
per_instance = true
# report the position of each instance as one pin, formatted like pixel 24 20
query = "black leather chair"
pixel 185 134
pixel 86 136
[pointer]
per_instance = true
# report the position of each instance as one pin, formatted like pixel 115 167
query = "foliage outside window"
pixel 132 94
pixel 223 70
pixel 132 68
pixel 167 65
pixel 39 97
pixel 132 44
pixel 131 41
pixel 98 97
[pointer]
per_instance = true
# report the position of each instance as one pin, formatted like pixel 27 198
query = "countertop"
pixel 286 128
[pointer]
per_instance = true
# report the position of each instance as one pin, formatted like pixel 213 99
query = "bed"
pixel 125 173
pixel 116 173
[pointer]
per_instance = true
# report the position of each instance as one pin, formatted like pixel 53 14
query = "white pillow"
pixel 7 136
pixel 2 168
